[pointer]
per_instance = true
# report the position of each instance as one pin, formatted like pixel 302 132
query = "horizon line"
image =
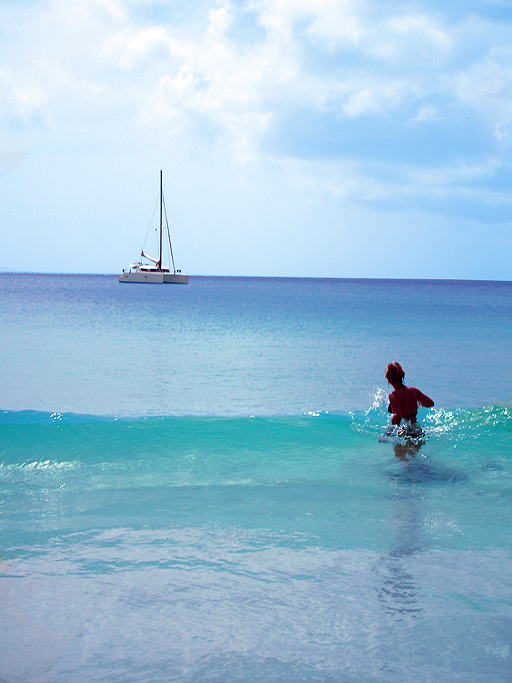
pixel 5 271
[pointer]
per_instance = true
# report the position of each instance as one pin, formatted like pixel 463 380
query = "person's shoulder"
pixel 414 390
pixel 422 398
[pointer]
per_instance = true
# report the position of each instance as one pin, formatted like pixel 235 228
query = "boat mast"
pixel 161 204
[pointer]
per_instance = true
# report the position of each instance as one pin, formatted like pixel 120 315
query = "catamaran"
pixel 154 272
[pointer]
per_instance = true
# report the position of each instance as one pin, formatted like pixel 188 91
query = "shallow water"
pixel 281 547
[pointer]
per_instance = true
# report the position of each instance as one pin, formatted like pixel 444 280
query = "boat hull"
pixel 155 278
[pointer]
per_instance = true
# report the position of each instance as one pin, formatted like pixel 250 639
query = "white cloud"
pixel 127 49
pixel 21 102
pixel 76 13
pixel 427 114
pixel 332 23
pixel 238 86
pixel 414 38
pixel 352 182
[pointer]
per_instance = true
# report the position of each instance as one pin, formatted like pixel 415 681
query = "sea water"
pixel 196 482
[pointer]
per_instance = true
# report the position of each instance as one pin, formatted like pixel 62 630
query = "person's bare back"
pixel 404 401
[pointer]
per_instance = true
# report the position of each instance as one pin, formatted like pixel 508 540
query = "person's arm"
pixel 423 400
pixel 395 409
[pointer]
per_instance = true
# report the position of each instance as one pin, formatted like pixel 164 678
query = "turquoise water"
pixel 253 525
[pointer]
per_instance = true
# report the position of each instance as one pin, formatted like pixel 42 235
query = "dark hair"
pixel 394 374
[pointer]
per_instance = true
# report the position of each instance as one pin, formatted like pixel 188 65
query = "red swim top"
pixel 404 401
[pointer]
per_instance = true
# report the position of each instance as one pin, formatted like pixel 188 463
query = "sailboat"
pixel 154 272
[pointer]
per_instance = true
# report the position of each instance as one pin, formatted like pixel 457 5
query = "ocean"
pixel 196 483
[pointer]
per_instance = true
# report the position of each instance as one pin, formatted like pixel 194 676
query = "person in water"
pixel 404 401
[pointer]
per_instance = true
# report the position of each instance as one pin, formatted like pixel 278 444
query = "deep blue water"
pixel 243 346
pixel 195 484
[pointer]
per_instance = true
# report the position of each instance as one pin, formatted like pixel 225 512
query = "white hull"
pixel 157 278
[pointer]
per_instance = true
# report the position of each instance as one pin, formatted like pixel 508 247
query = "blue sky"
pixel 315 138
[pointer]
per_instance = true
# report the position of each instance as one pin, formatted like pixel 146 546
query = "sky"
pixel 298 138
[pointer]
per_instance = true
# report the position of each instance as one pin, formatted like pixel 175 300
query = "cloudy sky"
pixel 315 138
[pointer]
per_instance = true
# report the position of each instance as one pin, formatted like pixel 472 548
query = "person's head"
pixel 395 375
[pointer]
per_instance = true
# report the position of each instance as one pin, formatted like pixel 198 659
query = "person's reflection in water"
pixel 398 591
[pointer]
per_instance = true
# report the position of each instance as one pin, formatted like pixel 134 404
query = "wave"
pixel 455 423
pixel 29 417
pixel 458 424
pixel 332 468
pixel 308 442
